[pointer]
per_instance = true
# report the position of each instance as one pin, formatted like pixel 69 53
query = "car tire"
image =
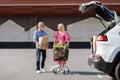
pixel 112 74
pixel 117 71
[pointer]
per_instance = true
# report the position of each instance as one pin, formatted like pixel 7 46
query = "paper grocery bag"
pixel 43 41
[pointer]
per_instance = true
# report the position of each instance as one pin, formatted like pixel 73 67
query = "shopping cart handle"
pixel 60 47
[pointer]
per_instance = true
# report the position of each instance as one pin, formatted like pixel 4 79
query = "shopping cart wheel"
pixel 55 72
pixel 65 72
pixel 68 71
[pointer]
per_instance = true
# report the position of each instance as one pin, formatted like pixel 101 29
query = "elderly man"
pixel 39 52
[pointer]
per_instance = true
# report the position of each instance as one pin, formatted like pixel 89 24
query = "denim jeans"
pixel 40 64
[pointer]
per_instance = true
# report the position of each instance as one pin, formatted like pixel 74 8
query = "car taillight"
pixel 96 57
pixel 102 38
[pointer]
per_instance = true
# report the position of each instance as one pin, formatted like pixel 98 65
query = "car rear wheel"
pixel 117 71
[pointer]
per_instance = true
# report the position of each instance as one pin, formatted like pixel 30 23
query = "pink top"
pixel 63 37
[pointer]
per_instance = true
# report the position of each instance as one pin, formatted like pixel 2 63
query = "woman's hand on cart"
pixel 66 45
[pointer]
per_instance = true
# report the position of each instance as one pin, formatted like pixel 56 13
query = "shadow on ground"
pixel 81 73
pixel 86 73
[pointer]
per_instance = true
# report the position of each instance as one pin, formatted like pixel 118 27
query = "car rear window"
pixel 107 29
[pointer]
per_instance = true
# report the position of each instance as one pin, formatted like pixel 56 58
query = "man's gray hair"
pixel 40 23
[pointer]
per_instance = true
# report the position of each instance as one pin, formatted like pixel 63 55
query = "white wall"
pixel 83 30
pixel 79 31
pixel 12 32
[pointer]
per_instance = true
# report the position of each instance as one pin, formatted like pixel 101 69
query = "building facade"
pixel 19 19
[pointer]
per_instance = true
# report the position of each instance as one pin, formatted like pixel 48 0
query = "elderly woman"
pixel 61 36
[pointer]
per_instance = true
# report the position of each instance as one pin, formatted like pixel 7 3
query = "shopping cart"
pixel 60 55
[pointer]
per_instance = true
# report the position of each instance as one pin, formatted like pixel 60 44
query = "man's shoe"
pixel 37 71
pixel 43 70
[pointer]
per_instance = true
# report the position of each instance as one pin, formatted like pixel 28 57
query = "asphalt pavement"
pixel 19 64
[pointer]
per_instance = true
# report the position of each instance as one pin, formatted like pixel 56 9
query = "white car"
pixel 105 54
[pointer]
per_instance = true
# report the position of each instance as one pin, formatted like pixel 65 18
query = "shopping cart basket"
pixel 60 55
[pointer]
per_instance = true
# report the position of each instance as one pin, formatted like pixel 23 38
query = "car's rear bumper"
pixel 99 64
